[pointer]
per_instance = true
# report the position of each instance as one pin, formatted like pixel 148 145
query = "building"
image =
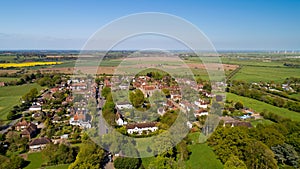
pixel 161 111
pixel 39 144
pixel 21 125
pixel 35 107
pixel 123 105
pixel 30 131
pixel 140 128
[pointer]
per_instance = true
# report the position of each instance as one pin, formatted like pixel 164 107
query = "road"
pixel 8 126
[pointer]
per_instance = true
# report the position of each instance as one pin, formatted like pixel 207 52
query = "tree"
pixel 258 155
pixel 11 116
pixel 59 154
pixel 127 163
pixel 285 154
pixel 239 105
pixel 234 163
pixel 31 95
pixel 105 91
pixel 161 162
pixel 166 92
pixel 15 162
pixel 90 156
pixel 136 98
pixel 269 136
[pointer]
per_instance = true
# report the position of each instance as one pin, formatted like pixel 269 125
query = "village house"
pixel 35 107
pixel 30 131
pixel 120 119
pixel 148 90
pixel 39 144
pixel 78 86
pixel 123 105
pixel 21 125
pixel 161 111
pixel 140 128
pixel 201 112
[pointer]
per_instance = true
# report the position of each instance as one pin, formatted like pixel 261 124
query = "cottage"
pixel 21 125
pixel 120 119
pixel 161 111
pixel 238 123
pixel 79 86
pixel 39 144
pixel 30 131
pixel 35 107
pixel 139 128
pixel 148 90
pixel 124 105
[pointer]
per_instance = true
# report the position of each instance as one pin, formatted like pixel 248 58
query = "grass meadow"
pixel 259 106
pixel 10 96
pixel 267 74
pixel 8 79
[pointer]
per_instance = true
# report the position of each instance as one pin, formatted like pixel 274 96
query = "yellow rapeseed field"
pixel 27 64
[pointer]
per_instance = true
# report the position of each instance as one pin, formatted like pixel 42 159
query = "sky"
pixel 229 24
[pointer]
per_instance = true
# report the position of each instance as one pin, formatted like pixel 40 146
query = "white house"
pixel 124 105
pixel 120 122
pixel 139 128
pixel 201 114
pixel 35 107
pixel 39 144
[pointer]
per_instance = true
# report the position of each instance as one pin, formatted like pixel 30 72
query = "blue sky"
pixel 229 24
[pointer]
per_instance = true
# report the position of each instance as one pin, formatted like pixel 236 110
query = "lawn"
pixel 61 166
pixel 10 96
pixel 267 74
pixel 36 160
pixel 203 157
pixel 7 79
pixel 296 96
pixel 261 121
pixel 259 106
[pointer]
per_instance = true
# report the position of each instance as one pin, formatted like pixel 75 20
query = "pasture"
pixel 10 96
pixel 259 106
pixel 8 79
pixel 266 74
pixel 202 155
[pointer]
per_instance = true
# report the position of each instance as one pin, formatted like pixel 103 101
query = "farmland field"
pixel 259 106
pixel 26 64
pixel 267 74
pixel 10 96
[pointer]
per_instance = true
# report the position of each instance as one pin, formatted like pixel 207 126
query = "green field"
pixel 61 166
pixel 296 96
pixel 261 121
pixel 267 74
pixel 36 160
pixel 202 155
pixel 259 106
pixel 7 79
pixel 10 96
pixel 252 62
